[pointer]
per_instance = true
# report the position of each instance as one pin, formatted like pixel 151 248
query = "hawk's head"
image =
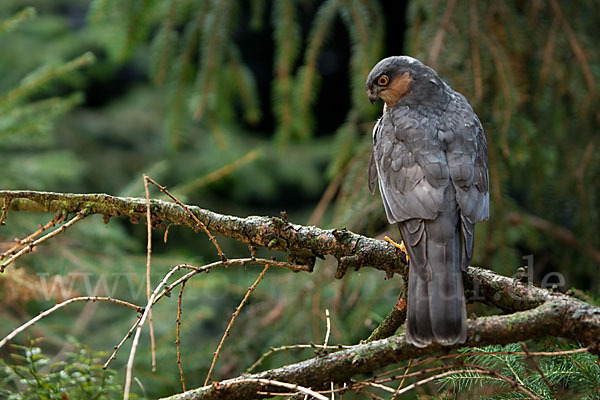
pixel 394 77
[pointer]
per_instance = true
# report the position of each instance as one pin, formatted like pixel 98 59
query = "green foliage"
pixel 287 41
pixel 569 375
pixel 28 113
pixel 34 375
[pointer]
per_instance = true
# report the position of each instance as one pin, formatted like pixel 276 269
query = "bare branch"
pixel 292 347
pixel 559 316
pixel 20 243
pixel 188 212
pixel 30 246
pixel 272 382
pixel 177 340
pixel 231 322
pixel 61 305
pixel 148 264
pixel 303 243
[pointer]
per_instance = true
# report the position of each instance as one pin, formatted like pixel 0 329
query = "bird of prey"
pixel 430 158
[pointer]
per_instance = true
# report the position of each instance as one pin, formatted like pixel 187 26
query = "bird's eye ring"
pixel 383 80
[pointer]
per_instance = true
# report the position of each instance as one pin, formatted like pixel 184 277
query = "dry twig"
pixel 177 340
pixel 191 215
pixel 140 324
pixel 30 246
pixel 286 385
pixel 538 369
pixel 328 332
pixel 23 242
pixel 4 211
pixel 58 306
pixel 403 379
pixel 148 263
pixel 292 347
pixel 233 318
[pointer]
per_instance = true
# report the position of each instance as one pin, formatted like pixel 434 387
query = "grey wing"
pixel 372 166
pixel 467 159
pixel 411 166
pixel 414 180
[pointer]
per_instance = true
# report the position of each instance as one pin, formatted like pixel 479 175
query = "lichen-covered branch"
pixel 559 315
pixel 535 312
pixel 303 243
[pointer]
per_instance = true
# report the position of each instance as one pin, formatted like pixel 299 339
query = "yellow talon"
pixel 400 246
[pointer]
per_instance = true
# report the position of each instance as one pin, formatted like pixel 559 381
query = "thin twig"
pixel 58 306
pixel 328 332
pixel 177 340
pixel 475 370
pixel 148 263
pixel 292 347
pixel 4 210
pixel 369 394
pixel 118 347
pixel 403 379
pixel 237 261
pixel 29 247
pixel 538 369
pixel 574 361
pixel 486 353
pixel 23 242
pixel 380 386
pixel 233 317
pixel 138 332
pixel 518 385
pixel 286 385
pixel 191 215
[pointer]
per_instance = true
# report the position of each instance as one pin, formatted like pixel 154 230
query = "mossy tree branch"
pixel 535 312
pixel 303 243
pixel 561 316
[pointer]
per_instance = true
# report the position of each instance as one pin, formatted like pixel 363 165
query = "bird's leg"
pixel 398 246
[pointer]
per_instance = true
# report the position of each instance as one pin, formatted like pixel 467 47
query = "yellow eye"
pixel 383 80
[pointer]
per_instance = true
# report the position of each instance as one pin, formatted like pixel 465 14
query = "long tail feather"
pixel 436 301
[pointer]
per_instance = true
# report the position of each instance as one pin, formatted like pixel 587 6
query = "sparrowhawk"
pixel 430 158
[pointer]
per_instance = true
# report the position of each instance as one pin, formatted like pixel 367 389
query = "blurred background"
pixel 256 107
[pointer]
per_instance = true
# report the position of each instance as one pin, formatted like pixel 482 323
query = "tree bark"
pixel 535 312
pixel 302 243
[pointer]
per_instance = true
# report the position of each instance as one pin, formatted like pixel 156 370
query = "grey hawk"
pixel 430 158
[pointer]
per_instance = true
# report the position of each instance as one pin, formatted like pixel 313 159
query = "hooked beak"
pixel 372 96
